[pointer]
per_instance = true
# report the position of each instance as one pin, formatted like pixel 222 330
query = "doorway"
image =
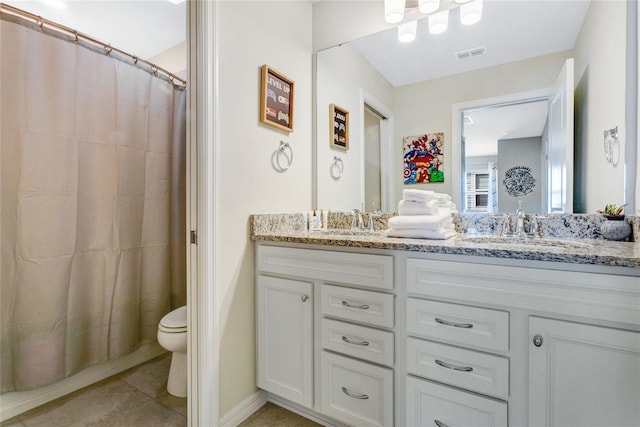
pixel 372 156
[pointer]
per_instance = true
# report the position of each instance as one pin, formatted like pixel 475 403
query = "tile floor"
pixel 271 415
pixel 135 398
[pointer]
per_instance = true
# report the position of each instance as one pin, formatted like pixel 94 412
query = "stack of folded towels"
pixel 423 215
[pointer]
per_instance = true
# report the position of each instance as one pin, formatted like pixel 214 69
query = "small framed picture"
pixel 276 99
pixel 338 127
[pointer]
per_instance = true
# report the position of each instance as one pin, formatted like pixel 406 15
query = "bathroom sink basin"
pixel 528 241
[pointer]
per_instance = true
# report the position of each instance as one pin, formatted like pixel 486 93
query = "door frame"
pixel 387 189
pixel 202 299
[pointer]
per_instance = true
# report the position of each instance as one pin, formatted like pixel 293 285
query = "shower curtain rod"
pixel 40 21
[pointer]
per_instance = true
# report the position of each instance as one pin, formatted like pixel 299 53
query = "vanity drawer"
pixel 458 324
pixel 468 369
pixel 370 307
pixel 356 393
pixel 362 342
pixel 430 404
pixel 375 271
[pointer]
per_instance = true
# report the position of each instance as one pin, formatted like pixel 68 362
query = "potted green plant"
pixel 614 227
pixel 613 212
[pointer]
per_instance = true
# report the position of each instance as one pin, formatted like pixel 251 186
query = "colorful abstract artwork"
pixel 423 158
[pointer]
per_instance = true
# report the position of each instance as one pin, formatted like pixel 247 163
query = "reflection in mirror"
pixel 505 140
pixel 420 89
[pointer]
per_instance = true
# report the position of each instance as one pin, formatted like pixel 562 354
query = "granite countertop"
pixel 569 250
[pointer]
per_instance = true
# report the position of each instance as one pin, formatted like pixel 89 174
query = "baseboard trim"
pixel 16 403
pixel 244 409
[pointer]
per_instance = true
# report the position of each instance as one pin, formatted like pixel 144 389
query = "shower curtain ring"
pixel 75 34
pixel 154 69
pixel 135 60
pixel 39 21
pixel 108 48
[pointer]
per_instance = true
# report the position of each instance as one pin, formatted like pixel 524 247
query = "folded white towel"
pixel 442 196
pixel 424 222
pixel 421 234
pixel 448 205
pixel 407 207
pixel 417 195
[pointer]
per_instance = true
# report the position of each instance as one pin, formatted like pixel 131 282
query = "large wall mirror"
pixel 492 89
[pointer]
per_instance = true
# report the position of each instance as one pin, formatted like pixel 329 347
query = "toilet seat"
pixel 174 321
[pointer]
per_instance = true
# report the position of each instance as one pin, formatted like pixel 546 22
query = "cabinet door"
pixel 285 338
pixel 582 375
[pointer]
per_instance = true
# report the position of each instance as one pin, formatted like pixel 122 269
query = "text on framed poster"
pixel 276 99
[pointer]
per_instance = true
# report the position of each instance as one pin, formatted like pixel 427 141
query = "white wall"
pixel 342 74
pixel 336 22
pixel 426 107
pixel 173 60
pixel 600 63
pixel 277 33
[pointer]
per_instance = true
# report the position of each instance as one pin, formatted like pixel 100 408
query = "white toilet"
pixel 172 335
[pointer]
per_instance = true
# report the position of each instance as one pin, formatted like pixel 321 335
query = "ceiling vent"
pixel 471 53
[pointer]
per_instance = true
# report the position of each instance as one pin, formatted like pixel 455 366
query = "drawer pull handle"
pixel 455 325
pixel 454 367
pixel 439 423
pixel 361 307
pixel 348 341
pixel 362 396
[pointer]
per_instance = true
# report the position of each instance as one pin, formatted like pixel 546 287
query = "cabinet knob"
pixel 537 340
pixel 304 298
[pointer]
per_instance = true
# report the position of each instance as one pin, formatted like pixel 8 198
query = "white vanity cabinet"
pixel 390 337
pixel 325 323
pixel 569 340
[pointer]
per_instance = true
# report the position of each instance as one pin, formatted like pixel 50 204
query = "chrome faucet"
pixel 519 217
pixel 357 220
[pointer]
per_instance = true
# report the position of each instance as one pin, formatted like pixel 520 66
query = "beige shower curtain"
pixel 92 211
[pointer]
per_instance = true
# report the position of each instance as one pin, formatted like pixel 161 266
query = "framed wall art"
pixel 276 99
pixel 423 158
pixel 338 127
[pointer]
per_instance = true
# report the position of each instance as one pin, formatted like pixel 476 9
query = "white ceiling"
pixel 143 28
pixel 503 122
pixel 511 30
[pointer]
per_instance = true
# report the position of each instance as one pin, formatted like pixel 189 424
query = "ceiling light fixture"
pixel 176 1
pixel 393 11
pixel 438 22
pixel 471 12
pixel 428 6
pixel 407 31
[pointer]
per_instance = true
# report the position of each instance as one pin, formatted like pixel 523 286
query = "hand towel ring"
pixel 612 146
pixel 336 168
pixel 288 156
